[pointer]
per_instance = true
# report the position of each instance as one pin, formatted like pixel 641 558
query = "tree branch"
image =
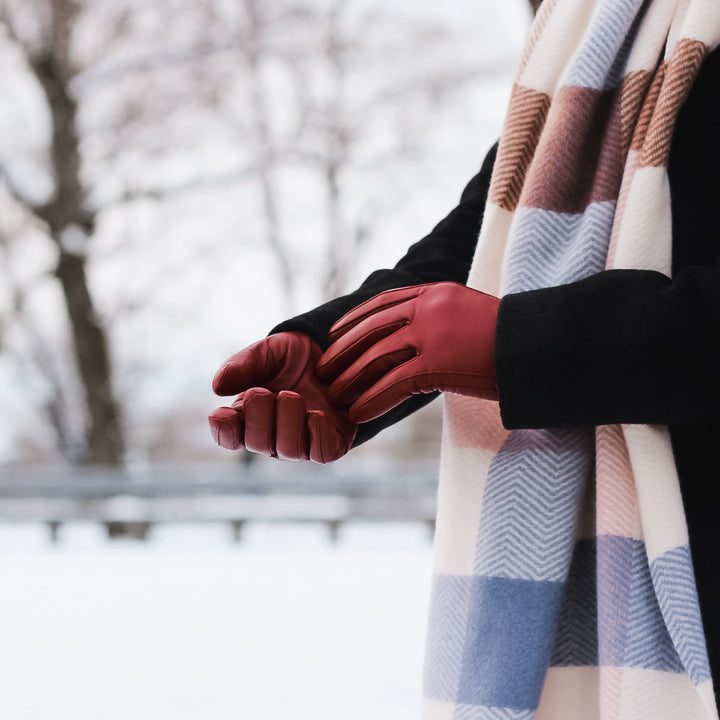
pixel 194 185
pixel 150 63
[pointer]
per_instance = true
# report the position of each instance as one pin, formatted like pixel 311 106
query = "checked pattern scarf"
pixel 563 585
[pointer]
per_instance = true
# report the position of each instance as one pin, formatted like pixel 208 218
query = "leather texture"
pixel 282 409
pixel 402 342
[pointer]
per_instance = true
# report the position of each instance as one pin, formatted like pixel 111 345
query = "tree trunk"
pixel 71 225
pixel 104 437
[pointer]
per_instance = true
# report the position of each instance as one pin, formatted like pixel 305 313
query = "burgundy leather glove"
pixel 282 410
pixel 439 336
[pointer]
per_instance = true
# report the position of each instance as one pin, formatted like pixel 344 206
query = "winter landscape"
pixel 175 178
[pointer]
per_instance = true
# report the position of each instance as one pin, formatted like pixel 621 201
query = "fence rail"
pixel 131 504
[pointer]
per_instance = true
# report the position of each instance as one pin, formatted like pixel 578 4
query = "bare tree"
pixel 323 51
pixel 70 222
pixel 43 32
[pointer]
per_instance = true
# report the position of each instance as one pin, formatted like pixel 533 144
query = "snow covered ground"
pixel 283 626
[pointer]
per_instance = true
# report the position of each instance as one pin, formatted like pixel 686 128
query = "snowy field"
pixel 283 626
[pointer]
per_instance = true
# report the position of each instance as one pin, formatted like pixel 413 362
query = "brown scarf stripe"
pixel 572 169
pixel 634 89
pixel 608 118
pixel 648 107
pixel 678 78
pixel 523 126
pixel 589 171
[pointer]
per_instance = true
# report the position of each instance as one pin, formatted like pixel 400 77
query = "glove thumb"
pixel 280 358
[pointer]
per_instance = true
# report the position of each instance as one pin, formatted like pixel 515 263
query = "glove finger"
pixel 367 371
pixel 291 433
pixel 258 407
pixel 327 443
pixel 392 389
pixel 226 427
pixel 382 301
pixel 364 336
pixel 259 363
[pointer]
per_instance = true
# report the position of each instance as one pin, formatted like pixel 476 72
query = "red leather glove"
pixel 439 336
pixel 282 410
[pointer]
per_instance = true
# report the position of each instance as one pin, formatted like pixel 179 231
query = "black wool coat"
pixel 622 346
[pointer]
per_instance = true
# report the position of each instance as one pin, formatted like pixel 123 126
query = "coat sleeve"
pixel 444 255
pixel 620 347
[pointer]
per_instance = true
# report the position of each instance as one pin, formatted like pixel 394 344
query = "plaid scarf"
pixel 563 584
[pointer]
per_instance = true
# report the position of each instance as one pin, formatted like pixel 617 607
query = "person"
pixel 620 346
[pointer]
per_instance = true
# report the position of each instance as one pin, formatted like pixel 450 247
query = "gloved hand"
pixel 439 336
pixel 282 410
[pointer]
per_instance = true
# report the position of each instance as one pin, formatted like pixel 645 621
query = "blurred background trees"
pixel 177 177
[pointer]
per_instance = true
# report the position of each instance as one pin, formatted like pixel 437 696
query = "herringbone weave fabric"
pixel 563 584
